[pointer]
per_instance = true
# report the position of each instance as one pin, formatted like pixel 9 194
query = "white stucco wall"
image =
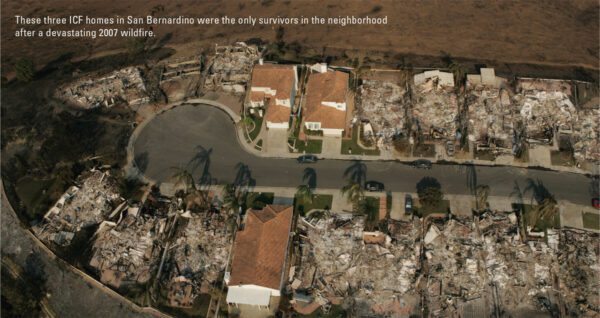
pixel 260 103
pixel 266 90
pixel 283 102
pixel 339 106
pixel 247 294
pixel 277 125
pixel 332 132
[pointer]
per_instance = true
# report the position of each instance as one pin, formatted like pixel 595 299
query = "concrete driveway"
pixel 331 145
pixel 276 141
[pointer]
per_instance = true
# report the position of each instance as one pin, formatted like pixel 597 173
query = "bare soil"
pixel 545 32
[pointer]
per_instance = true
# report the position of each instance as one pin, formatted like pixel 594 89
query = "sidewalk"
pixel 391 155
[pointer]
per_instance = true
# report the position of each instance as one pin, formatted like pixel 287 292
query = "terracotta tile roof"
pixel 274 76
pixel 260 249
pixel 257 96
pixel 276 113
pixel 326 87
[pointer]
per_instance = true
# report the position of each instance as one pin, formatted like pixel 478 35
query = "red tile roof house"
pixel 325 108
pixel 274 88
pixel 260 254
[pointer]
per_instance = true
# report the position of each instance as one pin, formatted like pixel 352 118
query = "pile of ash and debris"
pixel 128 251
pixel 435 105
pixel 197 257
pixel 453 267
pixel 366 272
pixel 230 69
pixel 81 206
pixel 385 105
pixel 125 85
pixel 491 117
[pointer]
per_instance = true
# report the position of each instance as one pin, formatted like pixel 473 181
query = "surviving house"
pixel 325 108
pixel 274 88
pixel 260 254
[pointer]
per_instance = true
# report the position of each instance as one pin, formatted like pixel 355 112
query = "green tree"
pixel 431 196
pixel 429 191
pixel 25 70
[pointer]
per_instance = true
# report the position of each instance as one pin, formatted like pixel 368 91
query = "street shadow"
pixel 243 176
pixel 471 178
pixel 310 177
pixel 426 183
pixel 202 160
pixel 538 191
pixel 595 187
pixel 517 193
pixel 356 172
pixel 141 161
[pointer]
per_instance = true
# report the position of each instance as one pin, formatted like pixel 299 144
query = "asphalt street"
pixel 202 139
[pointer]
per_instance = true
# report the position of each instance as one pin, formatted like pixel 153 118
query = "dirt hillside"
pixel 553 32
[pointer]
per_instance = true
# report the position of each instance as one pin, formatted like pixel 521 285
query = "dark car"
pixel 374 186
pixel 422 164
pixel 596 203
pixel 307 159
pixel 408 204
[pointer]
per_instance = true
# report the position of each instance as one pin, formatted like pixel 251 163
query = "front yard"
pixel 255 126
pixel 425 210
pixel 591 220
pixel 319 202
pixel 351 147
pixel 309 146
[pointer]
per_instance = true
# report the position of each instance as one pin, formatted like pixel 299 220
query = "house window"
pixel 314 126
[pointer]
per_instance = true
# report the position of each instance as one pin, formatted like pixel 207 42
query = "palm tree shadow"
pixel 538 190
pixel 471 178
pixel 202 159
pixel 310 177
pixel 243 176
pixel 356 172
pixel 141 161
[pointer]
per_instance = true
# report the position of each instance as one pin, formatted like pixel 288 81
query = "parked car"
pixel 408 204
pixel 450 148
pixel 422 164
pixel 374 186
pixel 596 203
pixel 307 159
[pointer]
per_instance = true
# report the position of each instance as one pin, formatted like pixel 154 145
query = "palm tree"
pixel 231 198
pixel 483 191
pixel 354 193
pixel 546 211
pixel 196 198
pixel 304 194
pixel 183 176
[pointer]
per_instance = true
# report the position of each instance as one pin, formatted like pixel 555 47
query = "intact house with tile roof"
pixel 326 96
pixel 260 254
pixel 273 89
